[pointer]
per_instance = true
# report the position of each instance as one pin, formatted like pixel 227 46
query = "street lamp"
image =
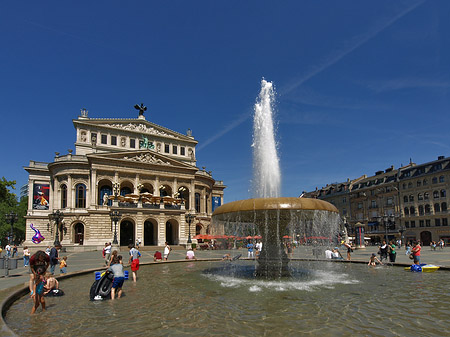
pixel 388 221
pixel 401 230
pixel 189 217
pixel 115 217
pixel 57 217
pixel 11 218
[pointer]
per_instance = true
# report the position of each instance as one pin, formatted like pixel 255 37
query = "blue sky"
pixel 360 85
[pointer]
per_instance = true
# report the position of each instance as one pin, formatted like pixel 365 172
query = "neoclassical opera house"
pixel 146 172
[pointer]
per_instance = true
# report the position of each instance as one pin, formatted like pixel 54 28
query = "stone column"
pixel 70 193
pixel 93 177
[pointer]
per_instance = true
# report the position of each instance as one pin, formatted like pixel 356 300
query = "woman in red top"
pixel 416 252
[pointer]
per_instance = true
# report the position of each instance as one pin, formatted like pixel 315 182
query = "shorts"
pixel 417 258
pixel 135 265
pixel 118 282
pixel 63 270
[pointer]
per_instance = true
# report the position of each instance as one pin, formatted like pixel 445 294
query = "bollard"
pixel 98 275
pixel 126 274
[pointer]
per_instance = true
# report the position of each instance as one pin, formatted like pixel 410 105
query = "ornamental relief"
pixel 147 158
pixel 141 128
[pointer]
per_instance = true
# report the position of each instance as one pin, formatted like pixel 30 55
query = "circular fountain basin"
pixel 211 298
pixel 246 208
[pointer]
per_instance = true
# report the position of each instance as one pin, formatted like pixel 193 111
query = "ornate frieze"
pixel 147 158
pixel 142 128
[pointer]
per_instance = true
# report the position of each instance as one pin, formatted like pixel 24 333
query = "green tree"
pixel 8 204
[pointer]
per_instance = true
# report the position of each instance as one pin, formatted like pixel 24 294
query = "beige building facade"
pixel 144 171
pixel 409 203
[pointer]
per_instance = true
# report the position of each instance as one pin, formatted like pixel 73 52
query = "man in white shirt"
pixel 107 253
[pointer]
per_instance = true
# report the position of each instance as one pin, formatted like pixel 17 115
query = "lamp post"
pixel 401 231
pixel 387 221
pixel 11 218
pixel 115 217
pixel 189 217
pixel 57 217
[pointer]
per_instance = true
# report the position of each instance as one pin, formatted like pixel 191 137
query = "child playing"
pixel 63 266
pixel 50 283
pixel 38 264
pixel 373 259
pixel 119 276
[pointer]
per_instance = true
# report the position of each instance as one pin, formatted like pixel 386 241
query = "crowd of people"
pixel 42 264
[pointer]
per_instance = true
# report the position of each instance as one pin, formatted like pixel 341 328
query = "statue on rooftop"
pixel 142 108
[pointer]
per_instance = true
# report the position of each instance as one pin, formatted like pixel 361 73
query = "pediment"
pixel 142 157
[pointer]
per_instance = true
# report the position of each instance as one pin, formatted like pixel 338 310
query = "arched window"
pixel 443 193
pixel 444 207
pixel 405 198
pixel 425 182
pixel 441 179
pixel 420 196
pixel 437 208
pixel 435 180
pixel 411 197
pixel 404 186
pixel 197 202
pixel 427 209
pixel 426 196
pixel 419 183
pixel 409 185
pixel 80 196
pixel 125 190
pixel 412 210
pixel 406 211
pixel 104 189
pixel 421 210
pixel 435 194
pixel 63 196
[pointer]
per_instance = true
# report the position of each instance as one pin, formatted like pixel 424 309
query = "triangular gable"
pixel 143 157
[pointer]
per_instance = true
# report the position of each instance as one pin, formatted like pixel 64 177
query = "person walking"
pixel 54 258
pixel 167 250
pixel 107 253
pixel 250 247
pixel 392 252
pixel 383 251
pixel 26 256
pixel 416 252
pixel 119 276
pixel 349 250
pixel 134 260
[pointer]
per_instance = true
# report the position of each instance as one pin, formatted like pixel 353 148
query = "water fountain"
pixel 272 215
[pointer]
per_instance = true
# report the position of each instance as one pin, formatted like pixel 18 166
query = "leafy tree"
pixel 8 204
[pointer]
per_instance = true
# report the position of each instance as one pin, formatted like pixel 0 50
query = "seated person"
pixel 157 256
pixel 328 254
pixel 190 255
pixel 226 257
pixel 373 260
pixel 50 284
pixel 336 254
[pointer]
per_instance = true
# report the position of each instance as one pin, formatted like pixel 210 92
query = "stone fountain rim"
pixel 280 203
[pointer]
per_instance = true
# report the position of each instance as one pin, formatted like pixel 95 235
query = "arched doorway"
pixel 150 233
pixel 425 238
pixel 78 230
pixel 172 232
pixel 198 229
pixel 126 233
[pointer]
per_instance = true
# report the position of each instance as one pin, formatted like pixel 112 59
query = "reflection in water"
pixel 201 298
